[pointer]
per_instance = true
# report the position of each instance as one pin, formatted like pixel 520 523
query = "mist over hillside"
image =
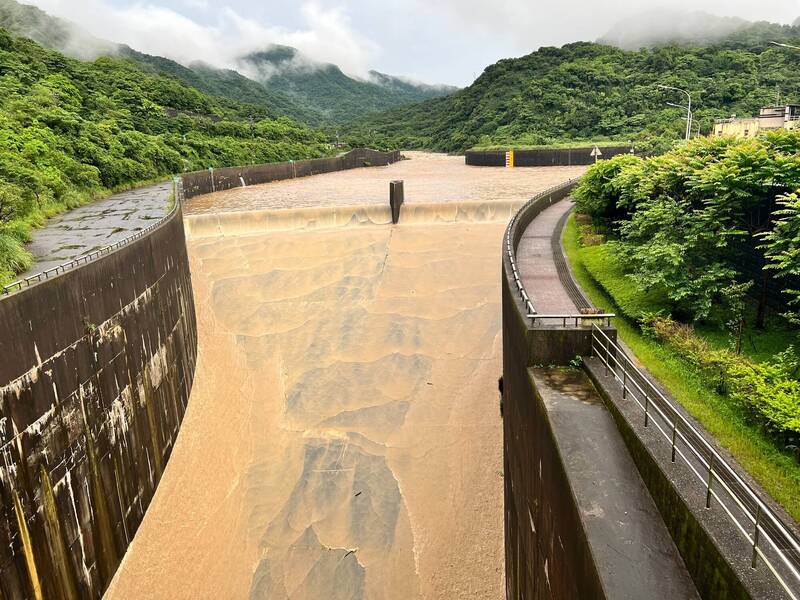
pixel 595 92
pixel 664 26
pixel 327 89
pixel 279 79
pixel 57 34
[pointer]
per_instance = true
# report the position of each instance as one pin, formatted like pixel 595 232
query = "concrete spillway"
pixel 343 438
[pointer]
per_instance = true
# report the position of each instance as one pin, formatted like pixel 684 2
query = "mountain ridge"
pixel 320 95
pixel 586 91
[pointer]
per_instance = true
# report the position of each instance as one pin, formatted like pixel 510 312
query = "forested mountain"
pixel 326 89
pixel 283 81
pixel 589 91
pixel 226 83
pixel 72 130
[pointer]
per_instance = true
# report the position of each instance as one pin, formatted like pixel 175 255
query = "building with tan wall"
pixel 770 117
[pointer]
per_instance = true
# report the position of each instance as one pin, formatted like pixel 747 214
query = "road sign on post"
pixel 596 153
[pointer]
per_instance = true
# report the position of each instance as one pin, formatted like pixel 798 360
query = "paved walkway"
pixel 536 264
pixel 88 228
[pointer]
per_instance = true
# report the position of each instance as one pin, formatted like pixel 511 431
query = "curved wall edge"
pixel 96 371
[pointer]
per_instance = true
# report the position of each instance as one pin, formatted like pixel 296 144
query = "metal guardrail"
pixel 763 530
pixel 579 320
pixel 26 282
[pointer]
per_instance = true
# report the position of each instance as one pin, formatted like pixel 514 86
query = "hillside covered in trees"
pixel 326 90
pixel 72 130
pixel 280 80
pixel 589 91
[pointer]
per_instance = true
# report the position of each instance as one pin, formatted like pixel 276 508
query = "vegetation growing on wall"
pixel 588 91
pixel 706 238
pixel 73 130
pixel 768 457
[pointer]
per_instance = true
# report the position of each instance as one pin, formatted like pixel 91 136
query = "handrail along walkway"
pixel 757 522
pixel 26 282
pixel 759 525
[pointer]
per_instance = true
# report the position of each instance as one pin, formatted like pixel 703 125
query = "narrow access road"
pixel 93 226
pixel 537 264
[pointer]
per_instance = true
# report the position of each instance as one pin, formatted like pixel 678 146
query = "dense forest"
pixel 708 235
pixel 73 130
pixel 325 90
pixel 588 91
pixel 281 81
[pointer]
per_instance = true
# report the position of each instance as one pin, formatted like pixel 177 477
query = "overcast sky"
pixel 437 41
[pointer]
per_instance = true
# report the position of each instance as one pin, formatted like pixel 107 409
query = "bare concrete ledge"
pixel 594 531
pixel 717 556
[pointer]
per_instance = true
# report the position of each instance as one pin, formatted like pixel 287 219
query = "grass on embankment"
pixel 778 473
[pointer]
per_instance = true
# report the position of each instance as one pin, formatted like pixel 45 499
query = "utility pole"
pixel 688 108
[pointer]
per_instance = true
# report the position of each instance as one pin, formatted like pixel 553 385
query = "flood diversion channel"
pixel 343 438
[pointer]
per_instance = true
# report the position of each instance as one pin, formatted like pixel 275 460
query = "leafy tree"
pixel 588 91
pixel 689 222
pixel 782 247
pixel 669 246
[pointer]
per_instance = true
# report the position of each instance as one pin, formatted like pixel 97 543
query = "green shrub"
pixel 13 256
pixel 598 192
pixel 769 392
pixel 770 395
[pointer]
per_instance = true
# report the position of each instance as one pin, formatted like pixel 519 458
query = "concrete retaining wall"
pixel 206 182
pixel 718 559
pixel 544 157
pixel 529 447
pixel 96 370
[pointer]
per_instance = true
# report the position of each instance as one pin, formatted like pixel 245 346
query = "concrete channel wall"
pixel 96 371
pixel 549 542
pixel 543 157
pixel 567 566
pixel 216 180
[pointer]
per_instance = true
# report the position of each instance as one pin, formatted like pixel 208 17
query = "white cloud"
pixel 327 35
pixel 448 41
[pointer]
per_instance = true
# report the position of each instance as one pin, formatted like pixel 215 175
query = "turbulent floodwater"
pixel 343 438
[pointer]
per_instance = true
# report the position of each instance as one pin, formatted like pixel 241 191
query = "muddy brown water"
pixel 343 438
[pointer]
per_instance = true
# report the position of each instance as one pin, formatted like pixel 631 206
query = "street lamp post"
pixel 688 108
pixel 690 114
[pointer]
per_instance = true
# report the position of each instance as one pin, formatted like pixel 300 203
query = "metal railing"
pixel 576 320
pixel 26 282
pixel 579 320
pixel 769 539
pixel 510 245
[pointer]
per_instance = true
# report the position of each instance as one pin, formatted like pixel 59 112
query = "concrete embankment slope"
pixel 343 439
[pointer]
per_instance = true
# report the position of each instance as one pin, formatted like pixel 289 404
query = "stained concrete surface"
pixel 93 226
pixel 343 439
pixel 632 551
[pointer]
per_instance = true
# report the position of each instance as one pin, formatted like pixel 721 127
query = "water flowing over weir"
pixel 343 439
